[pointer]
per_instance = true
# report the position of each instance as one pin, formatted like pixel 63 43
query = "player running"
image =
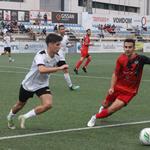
pixel 65 43
pixel 37 81
pixel 84 53
pixel 7 46
pixel 125 81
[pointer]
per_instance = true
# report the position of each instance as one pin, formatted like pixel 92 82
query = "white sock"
pixel 68 80
pixel 101 108
pixel 10 58
pixel 10 115
pixel 29 114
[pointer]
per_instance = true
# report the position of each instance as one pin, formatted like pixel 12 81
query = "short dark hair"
pixel 53 38
pixel 88 30
pixel 130 41
pixel 60 26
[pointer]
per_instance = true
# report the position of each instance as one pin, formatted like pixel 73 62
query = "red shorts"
pixel 121 95
pixel 84 53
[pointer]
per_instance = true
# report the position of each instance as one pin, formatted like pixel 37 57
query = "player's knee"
pixel 82 58
pixel 47 106
pixel 65 71
pixel 105 104
pixel 89 58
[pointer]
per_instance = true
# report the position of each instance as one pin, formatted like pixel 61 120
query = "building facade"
pixel 117 7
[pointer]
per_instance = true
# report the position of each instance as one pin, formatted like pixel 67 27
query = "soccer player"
pixel 84 53
pixel 37 81
pixel 125 81
pixel 7 46
pixel 65 43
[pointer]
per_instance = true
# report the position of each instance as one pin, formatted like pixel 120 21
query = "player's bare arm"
pixel 43 69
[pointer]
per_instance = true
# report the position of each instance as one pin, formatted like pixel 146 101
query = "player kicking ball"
pixel 37 81
pixel 125 81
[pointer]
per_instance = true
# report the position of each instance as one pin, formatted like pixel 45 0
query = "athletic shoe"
pixel 75 70
pixel 100 109
pixel 10 123
pixel 22 120
pixel 84 69
pixel 74 87
pixel 92 121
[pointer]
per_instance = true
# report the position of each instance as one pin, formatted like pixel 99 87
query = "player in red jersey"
pixel 84 53
pixel 125 81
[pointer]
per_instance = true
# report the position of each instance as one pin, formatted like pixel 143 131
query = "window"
pixel 132 9
pixel 112 6
pixel 81 2
pixel 100 5
pixel 121 8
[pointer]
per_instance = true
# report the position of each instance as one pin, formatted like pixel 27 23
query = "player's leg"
pixel 69 82
pixel 104 105
pixel 9 55
pixel 110 98
pixel 16 108
pixel 80 61
pixel 5 52
pixel 67 76
pixel 89 58
pixel 23 97
pixel 116 105
pixel 78 64
pixel 108 101
pixel 46 103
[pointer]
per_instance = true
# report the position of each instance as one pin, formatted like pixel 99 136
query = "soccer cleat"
pixel 10 123
pixel 92 121
pixel 22 119
pixel 84 69
pixel 75 70
pixel 74 87
pixel 100 109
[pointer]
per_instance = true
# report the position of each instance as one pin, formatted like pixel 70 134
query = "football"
pixel 145 136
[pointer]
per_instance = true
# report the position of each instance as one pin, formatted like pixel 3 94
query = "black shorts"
pixel 61 62
pixel 88 55
pixel 7 49
pixel 24 95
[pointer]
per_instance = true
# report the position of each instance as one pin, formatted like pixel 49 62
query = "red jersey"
pixel 86 42
pixel 129 72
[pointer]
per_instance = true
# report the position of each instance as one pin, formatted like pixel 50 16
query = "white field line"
pixel 80 76
pixel 72 130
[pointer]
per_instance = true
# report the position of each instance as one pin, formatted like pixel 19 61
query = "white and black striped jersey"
pixel 34 80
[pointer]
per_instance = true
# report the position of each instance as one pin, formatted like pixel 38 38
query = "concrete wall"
pixel 26 5
pixel 50 5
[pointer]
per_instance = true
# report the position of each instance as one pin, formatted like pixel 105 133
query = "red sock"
pixel 102 114
pixel 87 62
pixel 78 64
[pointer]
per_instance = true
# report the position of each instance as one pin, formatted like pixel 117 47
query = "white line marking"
pixel 6 71
pixel 14 67
pixel 71 130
